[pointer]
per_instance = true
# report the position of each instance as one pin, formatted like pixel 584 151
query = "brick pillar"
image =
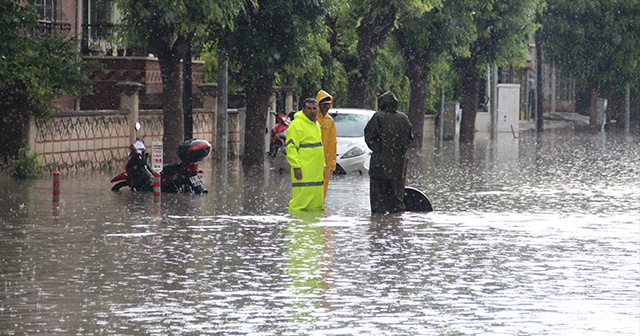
pixel 271 113
pixel 234 140
pixel 288 103
pixel 130 101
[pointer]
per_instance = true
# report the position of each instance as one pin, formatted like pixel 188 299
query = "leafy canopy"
pixel 271 35
pixel 501 30
pixel 159 24
pixel 34 69
pixel 595 41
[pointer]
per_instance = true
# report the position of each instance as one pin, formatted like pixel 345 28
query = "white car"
pixel 353 154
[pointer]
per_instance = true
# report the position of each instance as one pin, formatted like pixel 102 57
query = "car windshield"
pixel 350 125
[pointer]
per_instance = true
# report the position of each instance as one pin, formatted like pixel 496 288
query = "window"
pixel 52 19
pixel 46 9
pixel 350 125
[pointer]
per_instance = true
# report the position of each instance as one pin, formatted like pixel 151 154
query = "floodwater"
pixel 535 235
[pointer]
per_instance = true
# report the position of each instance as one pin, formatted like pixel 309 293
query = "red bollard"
pixel 56 187
pixel 156 187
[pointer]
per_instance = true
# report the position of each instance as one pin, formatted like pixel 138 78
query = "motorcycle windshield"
pixel 138 147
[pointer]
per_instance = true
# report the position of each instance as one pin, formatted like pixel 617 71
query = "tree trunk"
pixel 358 88
pixel 173 118
pixel 615 108
pixel 374 28
pixel 258 91
pixel 418 81
pixel 582 101
pixel 13 132
pixel 469 100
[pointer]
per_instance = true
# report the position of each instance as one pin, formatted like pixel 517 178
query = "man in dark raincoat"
pixel 388 134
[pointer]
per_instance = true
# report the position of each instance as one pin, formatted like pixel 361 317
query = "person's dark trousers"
pixel 386 195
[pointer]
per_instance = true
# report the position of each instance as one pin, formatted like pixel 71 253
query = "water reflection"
pixel 531 235
pixel 308 261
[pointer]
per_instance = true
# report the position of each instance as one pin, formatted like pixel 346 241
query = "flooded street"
pixel 530 236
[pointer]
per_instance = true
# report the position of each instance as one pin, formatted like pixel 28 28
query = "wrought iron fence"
pixel 46 28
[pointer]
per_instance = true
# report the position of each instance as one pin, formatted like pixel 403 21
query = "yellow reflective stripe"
pixel 307 184
pixel 311 145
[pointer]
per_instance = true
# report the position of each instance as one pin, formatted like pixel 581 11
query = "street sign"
pixel 156 156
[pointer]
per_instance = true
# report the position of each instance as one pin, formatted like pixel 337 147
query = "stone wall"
pixel 73 141
pixel 93 140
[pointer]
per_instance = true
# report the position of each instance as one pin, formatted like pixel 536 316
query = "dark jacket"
pixel 388 134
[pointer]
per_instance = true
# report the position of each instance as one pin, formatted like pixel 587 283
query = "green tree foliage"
pixel 269 37
pixel 316 69
pixel 388 74
pixel 358 31
pixel 167 28
pixel 428 41
pixel 35 70
pixel 594 41
pixel 500 36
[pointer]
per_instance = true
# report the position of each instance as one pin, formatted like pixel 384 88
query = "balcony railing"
pixel 95 38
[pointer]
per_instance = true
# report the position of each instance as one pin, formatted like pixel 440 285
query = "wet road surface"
pixel 530 236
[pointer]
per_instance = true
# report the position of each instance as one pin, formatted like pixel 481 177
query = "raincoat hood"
pixel 388 102
pixel 322 94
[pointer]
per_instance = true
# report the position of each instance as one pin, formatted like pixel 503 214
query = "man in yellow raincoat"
pixel 329 140
pixel 306 157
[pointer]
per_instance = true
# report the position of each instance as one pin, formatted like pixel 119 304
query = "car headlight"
pixel 353 152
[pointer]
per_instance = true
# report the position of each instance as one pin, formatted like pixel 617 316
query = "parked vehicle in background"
pixel 352 152
pixel 278 133
pixel 183 176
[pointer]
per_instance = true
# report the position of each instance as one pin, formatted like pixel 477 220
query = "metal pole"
pixel 157 187
pixel 539 78
pixel 56 187
pixel 441 132
pixel 79 44
pixel 525 92
pixel 494 102
pixel 627 108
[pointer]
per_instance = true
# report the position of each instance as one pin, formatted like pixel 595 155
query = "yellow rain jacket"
pixel 304 151
pixel 329 140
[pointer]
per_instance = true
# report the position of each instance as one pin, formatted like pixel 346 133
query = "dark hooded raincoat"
pixel 388 134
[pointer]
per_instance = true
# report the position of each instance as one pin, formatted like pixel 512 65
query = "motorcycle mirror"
pixel 137 126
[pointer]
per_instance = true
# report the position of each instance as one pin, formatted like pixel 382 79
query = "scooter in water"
pixel 176 177
pixel 278 133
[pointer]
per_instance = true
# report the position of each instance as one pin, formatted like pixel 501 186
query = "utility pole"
pixel 441 117
pixel 493 103
pixel 627 108
pixel 539 95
